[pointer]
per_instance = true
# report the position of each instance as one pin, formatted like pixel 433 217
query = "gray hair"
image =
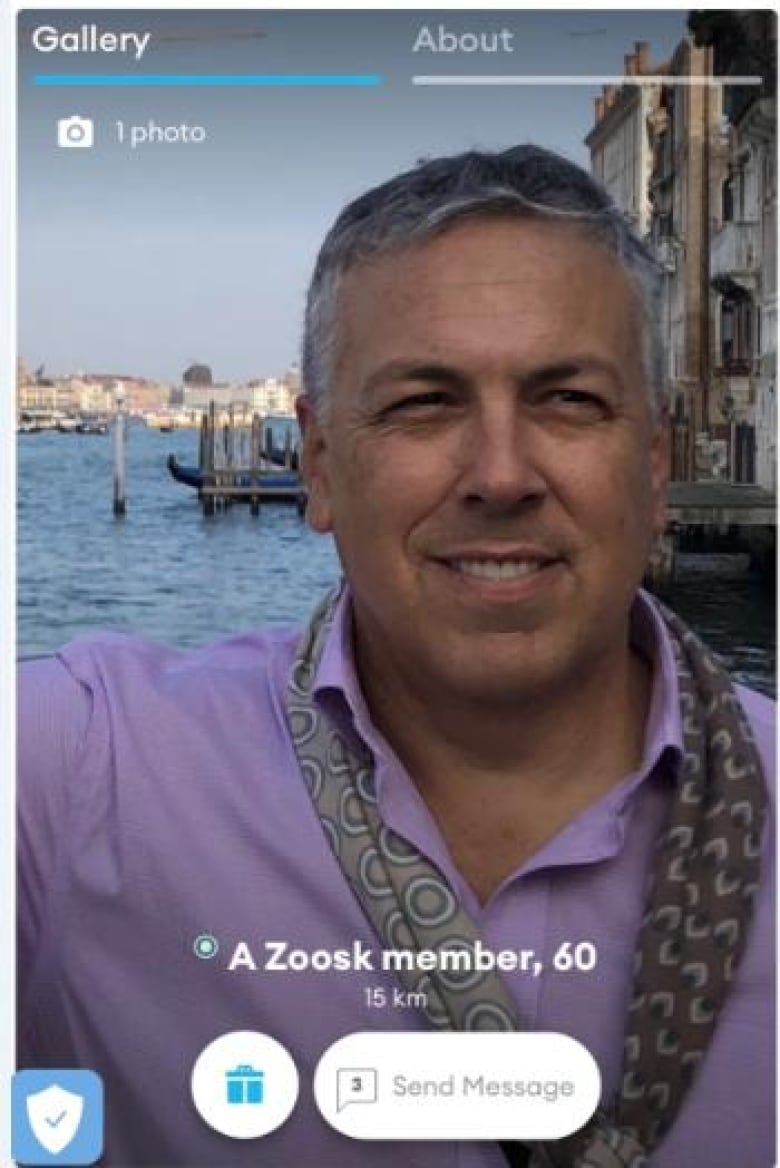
pixel 523 182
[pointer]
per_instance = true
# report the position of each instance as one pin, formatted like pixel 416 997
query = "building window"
pixel 664 225
pixel 738 332
pixel 733 197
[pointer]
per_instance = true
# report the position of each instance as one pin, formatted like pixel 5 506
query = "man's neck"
pixel 500 783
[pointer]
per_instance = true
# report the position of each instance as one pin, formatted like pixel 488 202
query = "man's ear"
pixel 314 465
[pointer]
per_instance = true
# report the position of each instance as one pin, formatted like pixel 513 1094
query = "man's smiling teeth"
pixel 497 569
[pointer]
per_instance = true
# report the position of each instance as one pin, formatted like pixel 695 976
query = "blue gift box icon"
pixel 244 1084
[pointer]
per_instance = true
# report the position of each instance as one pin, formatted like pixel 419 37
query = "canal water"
pixel 166 572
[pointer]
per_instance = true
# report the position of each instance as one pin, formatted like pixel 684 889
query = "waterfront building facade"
pixel 743 246
pixel 684 132
pixel 694 167
pixel 76 394
pixel 620 152
pixel 265 396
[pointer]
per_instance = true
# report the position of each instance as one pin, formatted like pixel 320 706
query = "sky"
pixel 142 260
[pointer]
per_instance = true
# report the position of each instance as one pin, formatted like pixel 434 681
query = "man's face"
pixel 489 464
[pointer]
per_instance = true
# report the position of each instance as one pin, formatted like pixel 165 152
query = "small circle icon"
pixel 244 1084
pixel 205 946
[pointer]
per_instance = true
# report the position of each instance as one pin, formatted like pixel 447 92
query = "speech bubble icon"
pixel 355 1085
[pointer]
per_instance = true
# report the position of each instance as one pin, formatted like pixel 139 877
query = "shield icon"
pixel 55 1116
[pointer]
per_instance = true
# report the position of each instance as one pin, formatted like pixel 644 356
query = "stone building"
pixel 620 153
pixel 686 140
pixel 743 245
pixel 653 146
pixel 694 167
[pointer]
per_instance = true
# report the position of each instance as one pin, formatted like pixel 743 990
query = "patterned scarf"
pixel 691 937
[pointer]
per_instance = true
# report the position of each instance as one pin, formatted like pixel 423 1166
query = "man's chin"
pixel 504 668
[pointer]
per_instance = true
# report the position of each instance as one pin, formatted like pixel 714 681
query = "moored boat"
pixel 240 484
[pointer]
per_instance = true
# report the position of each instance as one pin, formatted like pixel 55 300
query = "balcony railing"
pixel 727 366
pixel 734 251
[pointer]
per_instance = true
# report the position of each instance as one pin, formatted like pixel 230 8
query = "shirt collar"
pixel 650 636
pixel 337 688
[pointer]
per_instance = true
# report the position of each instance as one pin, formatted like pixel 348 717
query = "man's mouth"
pixel 497 569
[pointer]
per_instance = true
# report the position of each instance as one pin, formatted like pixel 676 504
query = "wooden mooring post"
pixel 255 450
pixel 207 453
pixel 120 501
pixel 659 574
pixel 240 463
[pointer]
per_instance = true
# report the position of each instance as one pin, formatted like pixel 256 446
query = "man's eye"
pixel 574 396
pixel 577 401
pixel 418 401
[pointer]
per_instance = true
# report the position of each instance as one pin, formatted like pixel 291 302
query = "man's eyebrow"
pixel 568 370
pixel 403 369
pixel 411 370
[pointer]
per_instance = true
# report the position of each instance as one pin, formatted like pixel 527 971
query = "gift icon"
pixel 244 1084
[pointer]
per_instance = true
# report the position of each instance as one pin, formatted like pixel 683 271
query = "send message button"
pixel 457 1086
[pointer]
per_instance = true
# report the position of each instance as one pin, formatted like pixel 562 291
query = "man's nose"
pixel 501 460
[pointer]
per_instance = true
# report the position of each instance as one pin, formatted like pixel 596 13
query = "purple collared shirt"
pixel 160 798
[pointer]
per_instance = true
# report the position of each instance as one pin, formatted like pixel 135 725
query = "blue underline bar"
pixel 140 80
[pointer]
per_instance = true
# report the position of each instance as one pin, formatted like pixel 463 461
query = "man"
pixel 490 733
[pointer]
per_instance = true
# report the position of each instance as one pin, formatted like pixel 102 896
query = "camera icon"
pixel 76 132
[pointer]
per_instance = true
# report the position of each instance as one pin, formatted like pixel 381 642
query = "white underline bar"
pixel 596 79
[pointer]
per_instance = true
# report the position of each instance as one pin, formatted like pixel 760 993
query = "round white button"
pixel 244 1084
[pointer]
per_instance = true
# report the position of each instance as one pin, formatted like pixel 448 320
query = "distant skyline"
pixel 147 260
